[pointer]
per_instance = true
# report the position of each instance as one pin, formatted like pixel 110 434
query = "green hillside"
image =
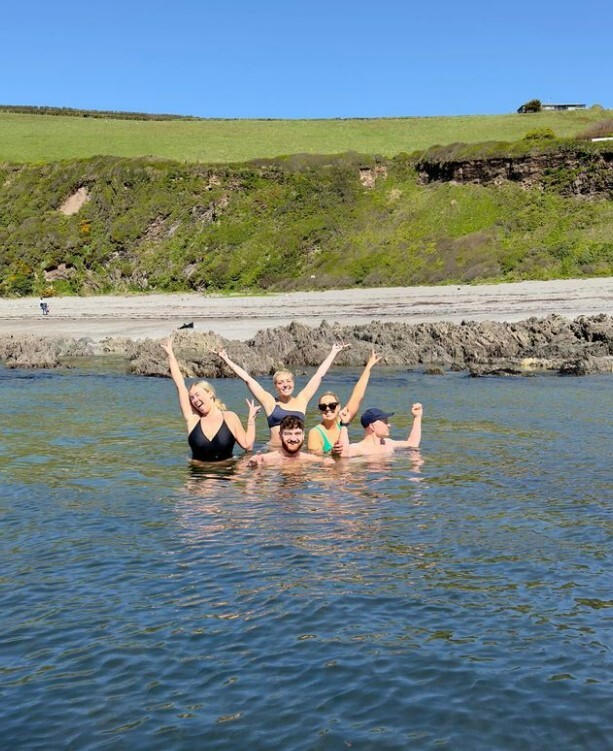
pixel 302 222
pixel 35 138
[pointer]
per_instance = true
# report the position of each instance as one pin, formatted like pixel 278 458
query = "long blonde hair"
pixel 211 391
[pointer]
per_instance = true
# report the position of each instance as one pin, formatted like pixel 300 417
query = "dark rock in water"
pixel 434 371
pixel 578 367
pixel 483 371
pixel 484 348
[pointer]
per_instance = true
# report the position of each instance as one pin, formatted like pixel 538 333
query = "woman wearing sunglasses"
pixel 322 437
pixel 283 403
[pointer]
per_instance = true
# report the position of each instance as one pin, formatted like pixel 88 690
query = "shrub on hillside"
pixel 601 129
pixel 540 134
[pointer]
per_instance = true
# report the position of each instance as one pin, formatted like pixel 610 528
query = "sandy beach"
pixel 240 317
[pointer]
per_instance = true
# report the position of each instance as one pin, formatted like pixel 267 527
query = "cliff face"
pixel 111 225
pixel 570 174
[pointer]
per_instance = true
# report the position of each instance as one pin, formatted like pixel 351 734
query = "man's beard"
pixel 292 449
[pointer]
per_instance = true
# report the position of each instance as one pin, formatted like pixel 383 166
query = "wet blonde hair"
pixel 279 373
pixel 211 392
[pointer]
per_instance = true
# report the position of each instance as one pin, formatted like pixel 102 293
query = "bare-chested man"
pixel 291 433
pixel 376 440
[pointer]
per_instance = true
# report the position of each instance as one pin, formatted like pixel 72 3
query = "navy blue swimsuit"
pixel 217 449
pixel 278 413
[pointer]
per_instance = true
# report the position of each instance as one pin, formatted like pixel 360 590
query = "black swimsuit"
pixel 215 450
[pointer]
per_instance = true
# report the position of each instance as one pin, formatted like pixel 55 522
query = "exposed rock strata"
pixel 568 173
pixel 577 347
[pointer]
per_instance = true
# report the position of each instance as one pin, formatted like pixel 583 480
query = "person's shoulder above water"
pixel 291 434
pixel 376 439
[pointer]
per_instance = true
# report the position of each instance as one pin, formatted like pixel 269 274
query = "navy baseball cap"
pixel 372 415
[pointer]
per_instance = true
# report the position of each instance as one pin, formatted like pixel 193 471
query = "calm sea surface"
pixel 461 603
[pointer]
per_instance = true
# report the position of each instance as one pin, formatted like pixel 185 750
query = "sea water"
pixel 459 601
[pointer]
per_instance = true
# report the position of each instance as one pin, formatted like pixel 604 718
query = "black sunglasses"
pixel 331 406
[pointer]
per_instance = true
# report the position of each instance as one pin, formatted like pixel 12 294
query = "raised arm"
pixel 353 405
pixel 308 392
pixel 342 447
pixel 245 438
pixel 414 438
pixel 177 377
pixel 266 399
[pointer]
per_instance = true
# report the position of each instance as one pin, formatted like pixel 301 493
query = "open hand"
pixel 166 345
pixel 219 352
pixel 373 359
pixel 340 346
pixel 253 408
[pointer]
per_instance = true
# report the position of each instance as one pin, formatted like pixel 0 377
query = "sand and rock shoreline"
pixel 562 325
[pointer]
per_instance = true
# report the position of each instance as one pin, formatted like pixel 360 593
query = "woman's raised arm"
pixel 245 438
pixel 353 404
pixel 266 399
pixel 177 377
pixel 308 392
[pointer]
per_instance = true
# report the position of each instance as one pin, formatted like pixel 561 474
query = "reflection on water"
pixel 459 598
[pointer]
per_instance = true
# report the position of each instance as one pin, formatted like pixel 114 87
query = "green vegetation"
pixel 35 138
pixel 72 112
pixel 600 129
pixel 299 222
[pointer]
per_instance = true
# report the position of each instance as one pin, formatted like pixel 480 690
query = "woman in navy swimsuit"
pixel 212 430
pixel 284 403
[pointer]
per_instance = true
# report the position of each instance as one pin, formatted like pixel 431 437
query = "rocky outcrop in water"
pixel 584 345
pixel 557 344
pixel 40 352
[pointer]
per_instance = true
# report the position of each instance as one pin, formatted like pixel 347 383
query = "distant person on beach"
pixel 291 437
pixel 322 437
pixel 44 307
pixel 284 403
pixel 376 440
pixel 212 431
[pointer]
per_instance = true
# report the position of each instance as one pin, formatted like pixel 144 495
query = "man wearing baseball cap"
pixel 376 440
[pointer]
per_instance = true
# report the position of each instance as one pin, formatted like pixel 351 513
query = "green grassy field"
pixel 33 138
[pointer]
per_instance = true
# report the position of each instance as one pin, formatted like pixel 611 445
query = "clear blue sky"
pixel 306 58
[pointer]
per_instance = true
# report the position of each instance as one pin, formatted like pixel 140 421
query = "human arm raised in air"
pixel 179 381
pixel 414 438
pixel 342 448
pixel 266 399
pixel 245 438
pixel 353 404
pixel 309 390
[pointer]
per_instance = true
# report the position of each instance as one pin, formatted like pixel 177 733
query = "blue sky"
pixel 306 59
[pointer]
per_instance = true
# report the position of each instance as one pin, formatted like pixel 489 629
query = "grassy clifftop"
pixel 110 224
pixel 35 138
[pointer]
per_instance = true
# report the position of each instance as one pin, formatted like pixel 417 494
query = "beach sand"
pixel 240 317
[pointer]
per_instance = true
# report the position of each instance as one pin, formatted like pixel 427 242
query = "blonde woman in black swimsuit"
pixel 284 403
pixel 212 430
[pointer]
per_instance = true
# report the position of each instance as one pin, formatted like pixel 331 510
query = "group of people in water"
pixel 213 431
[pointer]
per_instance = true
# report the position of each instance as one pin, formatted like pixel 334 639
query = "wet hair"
pixel 277 373
pixel 291 422
pixel 211 392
